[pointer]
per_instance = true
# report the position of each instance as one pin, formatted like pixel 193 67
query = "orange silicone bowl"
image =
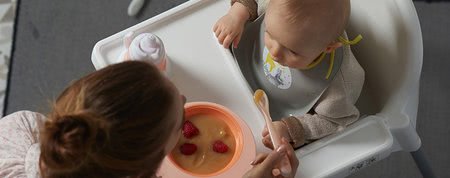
pixel 219 112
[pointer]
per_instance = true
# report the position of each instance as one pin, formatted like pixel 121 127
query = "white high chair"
pixel 390 53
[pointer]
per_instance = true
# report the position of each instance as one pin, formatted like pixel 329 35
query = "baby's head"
pixel 298 31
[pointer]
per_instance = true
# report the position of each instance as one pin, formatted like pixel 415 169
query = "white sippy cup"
pixel 146 47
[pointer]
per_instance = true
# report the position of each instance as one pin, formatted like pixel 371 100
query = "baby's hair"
pixel 111 123
pixel 294 10
pixel 301 9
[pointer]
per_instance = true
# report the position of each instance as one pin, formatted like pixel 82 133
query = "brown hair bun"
pixel 112 123
pixel 70 139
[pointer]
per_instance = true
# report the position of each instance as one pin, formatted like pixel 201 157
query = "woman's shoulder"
pixel 20 128
pixel 24 114
pixel 19 138
pixel 21 121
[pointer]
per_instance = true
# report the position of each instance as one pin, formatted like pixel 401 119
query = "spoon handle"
pixel 263 106
pixel 276 140
pixel 285 165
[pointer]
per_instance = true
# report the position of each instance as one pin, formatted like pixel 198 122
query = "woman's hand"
pixel 266 165
pixel 229 28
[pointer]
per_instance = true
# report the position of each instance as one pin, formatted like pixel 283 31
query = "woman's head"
pixel 297 31
pixel 116 122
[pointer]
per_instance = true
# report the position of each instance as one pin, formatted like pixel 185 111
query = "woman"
pixel 120 121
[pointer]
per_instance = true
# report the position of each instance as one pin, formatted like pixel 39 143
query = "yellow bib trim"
pixel 319 59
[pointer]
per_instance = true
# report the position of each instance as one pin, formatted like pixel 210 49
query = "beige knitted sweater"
pixel 335 109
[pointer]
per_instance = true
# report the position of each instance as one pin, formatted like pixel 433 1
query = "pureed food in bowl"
pixel 211 140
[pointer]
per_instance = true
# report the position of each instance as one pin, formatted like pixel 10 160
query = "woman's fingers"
pixel 274 157
pixel 276 172
pixel 259 158
pixel 293 160
pixel 291 155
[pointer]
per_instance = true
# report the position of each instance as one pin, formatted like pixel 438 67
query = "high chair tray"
pixel 204 71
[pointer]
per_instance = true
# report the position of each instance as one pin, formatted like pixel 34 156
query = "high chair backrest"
pixel 391 54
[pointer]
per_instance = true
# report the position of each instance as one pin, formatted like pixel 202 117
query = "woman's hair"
pixel 111 123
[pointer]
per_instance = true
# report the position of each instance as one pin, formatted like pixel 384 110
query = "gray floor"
pixel 55 39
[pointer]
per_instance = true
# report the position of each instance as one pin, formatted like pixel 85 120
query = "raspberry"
pixel 188 148
pixel 220 147
pixel 189 129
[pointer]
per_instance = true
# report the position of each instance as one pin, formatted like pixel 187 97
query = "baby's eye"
pixel 292 52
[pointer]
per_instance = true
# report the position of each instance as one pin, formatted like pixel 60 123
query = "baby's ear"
pixel 332 46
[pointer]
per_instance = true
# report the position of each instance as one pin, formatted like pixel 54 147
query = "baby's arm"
pixel 251 7
pixel 308 128
pixel 334 111
pixel 229 28
pixel 301 130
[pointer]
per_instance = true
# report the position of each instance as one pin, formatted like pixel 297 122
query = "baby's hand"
pixel 282 131
pixel 229 28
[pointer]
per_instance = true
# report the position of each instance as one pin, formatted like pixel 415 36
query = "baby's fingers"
pixel 291 154
pixel 265 131
pixel 227 41
pixel 221 37
pixel 217 32
pixel 236 40
pixel 259 158
pixel 215 26
pixel 267 142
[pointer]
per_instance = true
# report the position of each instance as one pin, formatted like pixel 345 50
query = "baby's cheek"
pixel 268 41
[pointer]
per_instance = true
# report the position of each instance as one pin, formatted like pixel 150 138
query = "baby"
pixel 297 33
